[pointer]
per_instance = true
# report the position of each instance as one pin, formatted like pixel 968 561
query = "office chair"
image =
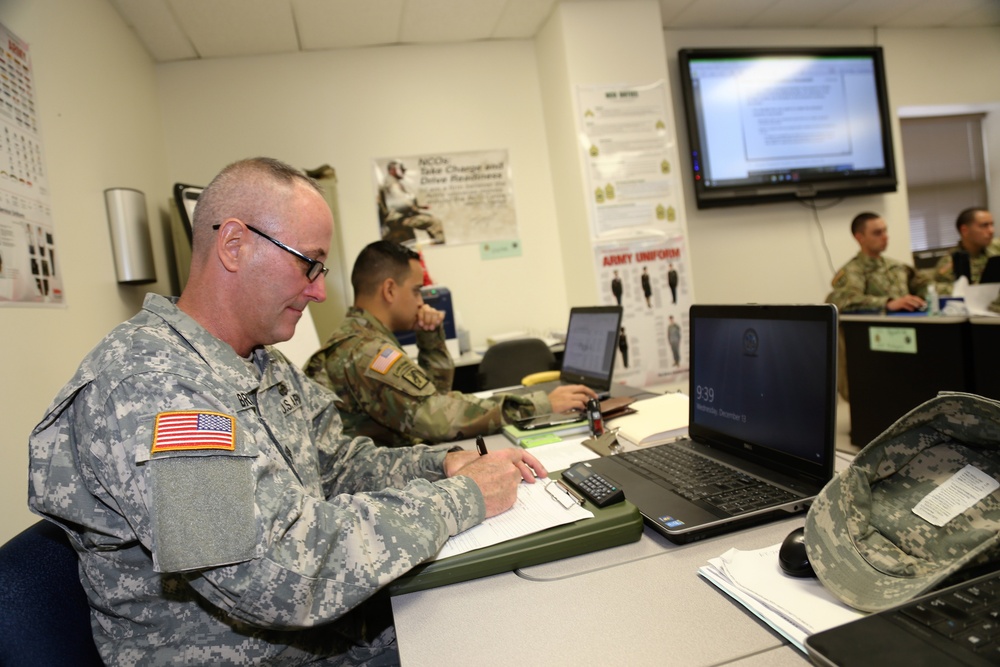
pixel 506 363
pixel 44 615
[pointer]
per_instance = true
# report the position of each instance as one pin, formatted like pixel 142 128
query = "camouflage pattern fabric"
pixel 944 272
pixel 385 395
pixel 866 284
pixel 177 569
pixel 864 540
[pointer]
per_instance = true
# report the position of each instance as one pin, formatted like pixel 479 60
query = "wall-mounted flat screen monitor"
pixel 768 125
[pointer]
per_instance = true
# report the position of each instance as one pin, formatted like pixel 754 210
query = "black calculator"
pixel 592 485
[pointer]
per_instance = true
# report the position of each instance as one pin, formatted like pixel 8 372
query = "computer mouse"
pixel 792 555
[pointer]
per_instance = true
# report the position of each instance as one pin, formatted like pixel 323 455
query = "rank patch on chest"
pixel 385 359
pixel 193 429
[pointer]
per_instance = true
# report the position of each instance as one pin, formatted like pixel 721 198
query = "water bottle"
pixel 933 307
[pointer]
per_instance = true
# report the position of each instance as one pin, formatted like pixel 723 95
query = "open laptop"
pixel 949 626
pixel 589 357
pixel 763 409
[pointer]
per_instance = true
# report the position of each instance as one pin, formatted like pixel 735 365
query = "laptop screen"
pixel 763 382
pixel 591 343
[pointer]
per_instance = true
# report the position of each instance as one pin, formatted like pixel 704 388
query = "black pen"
pixel 481 445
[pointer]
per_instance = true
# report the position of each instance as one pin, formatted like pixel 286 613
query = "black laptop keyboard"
pixel 698 478
pixel 967 615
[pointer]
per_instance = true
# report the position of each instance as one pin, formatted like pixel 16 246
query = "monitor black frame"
pixel 810 185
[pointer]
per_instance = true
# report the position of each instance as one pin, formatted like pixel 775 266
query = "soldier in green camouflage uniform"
pixel 220 514
pixel 975 230
pixel 384 394
pixel 874 283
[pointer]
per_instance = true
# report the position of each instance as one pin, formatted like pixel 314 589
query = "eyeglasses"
pixel 315 266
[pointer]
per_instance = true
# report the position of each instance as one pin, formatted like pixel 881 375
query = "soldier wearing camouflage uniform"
pixel 975 230
pixel 871 282
pixel 384 394
pixel 220 514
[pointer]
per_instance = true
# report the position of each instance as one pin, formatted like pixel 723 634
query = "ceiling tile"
pixel 156 28
pixel 795 13
pixel 863 14
pixel 669 9
pixel 449 20
pixel 521 19
pixel 323 24
pixel 223 28
pixel 718 13
pixel 980 13
pixel 930 13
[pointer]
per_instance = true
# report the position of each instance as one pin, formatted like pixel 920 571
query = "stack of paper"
pixel 794 607
pixel 656 420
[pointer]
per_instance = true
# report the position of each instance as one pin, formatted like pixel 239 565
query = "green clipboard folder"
pixel 615 524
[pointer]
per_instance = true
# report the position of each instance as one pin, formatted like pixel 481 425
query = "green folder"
pixel 610 526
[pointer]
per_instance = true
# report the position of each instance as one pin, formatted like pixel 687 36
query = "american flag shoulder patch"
pixel 193 429
pixel 385 359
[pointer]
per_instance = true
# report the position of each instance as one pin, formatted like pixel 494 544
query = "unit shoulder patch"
pixel 415 376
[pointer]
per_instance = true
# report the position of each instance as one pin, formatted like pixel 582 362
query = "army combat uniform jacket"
pixel 868 284
pixel 220 514
pixel 944 272
pixel 385 395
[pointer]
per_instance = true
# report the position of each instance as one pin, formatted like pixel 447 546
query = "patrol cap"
pixel 864 540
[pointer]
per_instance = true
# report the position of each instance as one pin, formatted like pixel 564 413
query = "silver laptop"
pixel 591 344
pixel 761 427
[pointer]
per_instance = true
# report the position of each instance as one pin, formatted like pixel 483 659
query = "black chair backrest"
pixel 44 614
pixel 505 364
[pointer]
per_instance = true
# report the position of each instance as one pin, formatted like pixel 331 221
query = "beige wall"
pixel 100 123
pixel 346 108
pixel 111 118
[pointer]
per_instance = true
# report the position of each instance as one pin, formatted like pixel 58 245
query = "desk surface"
pixel 637 604
pixel 640 603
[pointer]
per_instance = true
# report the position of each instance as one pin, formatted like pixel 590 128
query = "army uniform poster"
pixel 650 280
pixel 28 258
pixel 445 198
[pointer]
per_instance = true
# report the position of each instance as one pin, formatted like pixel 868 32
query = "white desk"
pixel 636 604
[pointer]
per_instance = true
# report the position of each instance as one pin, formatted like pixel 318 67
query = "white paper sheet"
pixel 795 607
pixel 536 508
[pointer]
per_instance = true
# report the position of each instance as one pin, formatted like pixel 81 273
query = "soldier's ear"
pixel 388 290
pixel 228 242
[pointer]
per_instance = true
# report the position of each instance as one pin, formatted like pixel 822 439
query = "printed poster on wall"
pixel 29 273
pixel 648 279
pixel 630 149
pixel 446 198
